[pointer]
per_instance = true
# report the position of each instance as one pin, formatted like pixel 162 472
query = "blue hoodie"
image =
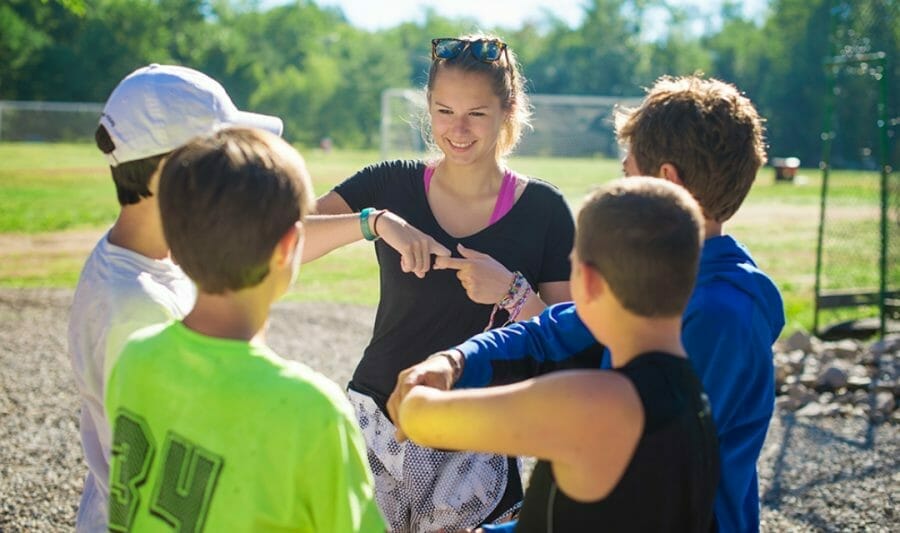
pixel 732 319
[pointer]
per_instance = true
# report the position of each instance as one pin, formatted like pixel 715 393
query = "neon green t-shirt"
pixel 222 435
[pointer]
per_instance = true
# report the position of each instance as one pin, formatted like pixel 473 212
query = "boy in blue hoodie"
pixel 704 135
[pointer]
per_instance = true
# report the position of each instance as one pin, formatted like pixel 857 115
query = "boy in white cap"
pixel 129 282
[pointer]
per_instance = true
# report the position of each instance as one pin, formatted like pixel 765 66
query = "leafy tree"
pixel 596 58
pixel 738 51
pixel 307 64
pixel 369 65
pixel 27 30
pixel 676 52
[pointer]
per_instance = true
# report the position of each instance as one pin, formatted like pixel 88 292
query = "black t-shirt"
pixel 417 317
pixel 670 483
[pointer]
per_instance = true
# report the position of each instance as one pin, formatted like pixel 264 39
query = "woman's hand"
pixel 440 371
pixel 485 280
pixel 415 247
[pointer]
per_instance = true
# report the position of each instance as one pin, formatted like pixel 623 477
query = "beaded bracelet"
pixel 514 301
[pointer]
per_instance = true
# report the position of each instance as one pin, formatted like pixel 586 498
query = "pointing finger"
pixel 442 263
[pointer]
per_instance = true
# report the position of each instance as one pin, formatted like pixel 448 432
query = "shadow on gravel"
pixel 831 474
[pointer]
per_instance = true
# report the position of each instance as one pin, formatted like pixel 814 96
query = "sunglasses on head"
pixel 486 50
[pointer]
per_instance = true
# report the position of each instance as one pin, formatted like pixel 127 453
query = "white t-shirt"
pixel 119 292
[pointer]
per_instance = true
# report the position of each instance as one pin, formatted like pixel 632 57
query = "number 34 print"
pixel 185 479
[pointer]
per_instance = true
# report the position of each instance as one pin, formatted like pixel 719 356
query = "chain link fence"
pixel 858 254
pixel 48 121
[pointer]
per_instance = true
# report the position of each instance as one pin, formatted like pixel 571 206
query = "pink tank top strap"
pixel 505 198
pixel 429 172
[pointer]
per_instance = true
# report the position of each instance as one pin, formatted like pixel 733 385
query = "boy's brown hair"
pixel 132 178
pixel 708 130
pixel 226 200
pixel 643 235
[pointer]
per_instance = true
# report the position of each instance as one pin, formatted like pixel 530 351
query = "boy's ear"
pixel 593 282
pixel 668 172
pixel 287 245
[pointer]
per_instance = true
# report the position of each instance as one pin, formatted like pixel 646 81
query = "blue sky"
pixel 375 14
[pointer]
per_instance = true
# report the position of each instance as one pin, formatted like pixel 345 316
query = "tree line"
pixel 309 65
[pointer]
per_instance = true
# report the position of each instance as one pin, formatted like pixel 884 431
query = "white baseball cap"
pixel 159 108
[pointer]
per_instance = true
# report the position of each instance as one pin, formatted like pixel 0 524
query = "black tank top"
pixel 670 483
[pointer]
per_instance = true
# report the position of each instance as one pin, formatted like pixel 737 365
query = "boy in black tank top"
pixel 630 449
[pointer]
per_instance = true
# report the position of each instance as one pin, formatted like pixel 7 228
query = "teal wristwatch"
pixel 364 224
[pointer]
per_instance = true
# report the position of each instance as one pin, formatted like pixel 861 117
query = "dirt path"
pixel 36 258
pixel 79 241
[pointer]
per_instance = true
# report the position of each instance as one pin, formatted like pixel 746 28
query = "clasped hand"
pixel 435 372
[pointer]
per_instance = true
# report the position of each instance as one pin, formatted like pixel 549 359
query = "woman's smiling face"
pixel 466 116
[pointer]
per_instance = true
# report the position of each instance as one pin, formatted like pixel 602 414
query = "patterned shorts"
pixel 421 490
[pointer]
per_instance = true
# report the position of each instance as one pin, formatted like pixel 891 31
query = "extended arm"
pixel 565 418
pixel 336 225
pixel 555 340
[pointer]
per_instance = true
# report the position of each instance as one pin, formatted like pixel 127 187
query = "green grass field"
pixel 56 199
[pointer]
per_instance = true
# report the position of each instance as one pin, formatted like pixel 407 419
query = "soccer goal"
pixel 563 125
pixel 48 121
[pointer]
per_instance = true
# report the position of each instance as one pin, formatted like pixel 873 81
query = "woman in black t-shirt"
pixel 501 242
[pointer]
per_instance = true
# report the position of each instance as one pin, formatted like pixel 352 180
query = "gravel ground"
pixel 826 473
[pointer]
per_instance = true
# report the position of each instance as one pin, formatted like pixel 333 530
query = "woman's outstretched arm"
pixel 335 225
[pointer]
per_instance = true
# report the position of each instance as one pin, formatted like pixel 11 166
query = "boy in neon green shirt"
pixel 211 429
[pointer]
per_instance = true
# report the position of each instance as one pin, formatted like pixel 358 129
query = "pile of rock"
pixel 847 377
